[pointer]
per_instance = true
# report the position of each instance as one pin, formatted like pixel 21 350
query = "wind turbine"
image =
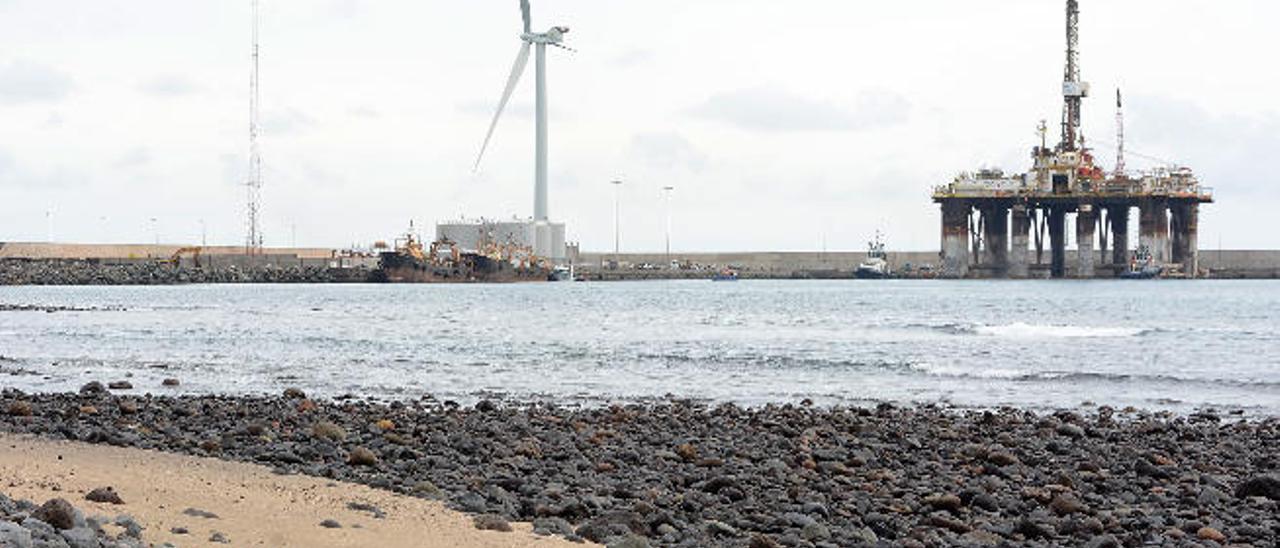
pixel 553 37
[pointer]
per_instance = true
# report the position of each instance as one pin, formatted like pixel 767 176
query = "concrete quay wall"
pixel 1218 264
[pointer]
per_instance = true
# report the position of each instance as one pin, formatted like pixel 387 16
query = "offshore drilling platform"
pixel 989 218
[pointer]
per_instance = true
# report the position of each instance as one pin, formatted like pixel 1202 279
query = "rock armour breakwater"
pixel 683 474
pixel 90 272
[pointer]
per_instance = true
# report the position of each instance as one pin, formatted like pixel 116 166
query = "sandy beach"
pixel 254 506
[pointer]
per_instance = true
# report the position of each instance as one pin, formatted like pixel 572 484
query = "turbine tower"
pixel 552 37
pixel 253 185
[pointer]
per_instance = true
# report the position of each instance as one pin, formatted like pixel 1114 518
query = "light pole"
pixel 48 225
pixel 204 234
pixel 617 239
pixel 155 229
pixel 668 190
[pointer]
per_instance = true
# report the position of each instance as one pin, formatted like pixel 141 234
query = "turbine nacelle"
pixel 554 37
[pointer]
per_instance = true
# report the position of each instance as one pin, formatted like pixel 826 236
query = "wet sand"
pixel 255 507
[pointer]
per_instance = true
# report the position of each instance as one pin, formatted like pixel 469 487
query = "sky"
pixel 796 125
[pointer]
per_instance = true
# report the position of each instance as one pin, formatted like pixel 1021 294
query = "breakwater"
pixel 95 272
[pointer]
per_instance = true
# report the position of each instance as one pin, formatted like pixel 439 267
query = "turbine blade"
pixel 528 19
pixel 517 70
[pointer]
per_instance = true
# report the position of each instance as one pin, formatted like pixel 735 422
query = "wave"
pixel 1022 330
pixel 995 373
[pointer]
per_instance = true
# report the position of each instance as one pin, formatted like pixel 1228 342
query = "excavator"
pixel 176 259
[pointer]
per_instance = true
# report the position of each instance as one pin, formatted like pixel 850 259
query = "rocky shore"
pixel 87 272
pixel 58 523
pixel 685 474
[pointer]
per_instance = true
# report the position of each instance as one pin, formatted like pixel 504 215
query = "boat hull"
pixel 397 267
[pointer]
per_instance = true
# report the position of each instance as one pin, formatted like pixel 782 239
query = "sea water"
pixel 1179 345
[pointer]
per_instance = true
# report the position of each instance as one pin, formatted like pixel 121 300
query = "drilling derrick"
pixel 1073 90
pixel 1120 167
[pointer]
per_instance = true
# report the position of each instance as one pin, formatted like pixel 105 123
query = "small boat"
pixel 725 275
pixel 1142 266
pixel 876 265
pixel 561 273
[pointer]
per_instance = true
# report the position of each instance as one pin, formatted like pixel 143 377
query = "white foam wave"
pixel 960 372
pixel 1019 330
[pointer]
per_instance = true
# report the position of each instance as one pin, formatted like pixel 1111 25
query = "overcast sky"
pixel 781 125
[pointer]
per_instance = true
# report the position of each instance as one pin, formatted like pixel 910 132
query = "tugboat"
pixel 1142 266
pixel 876 265
pixel 444 262
pixel 561 273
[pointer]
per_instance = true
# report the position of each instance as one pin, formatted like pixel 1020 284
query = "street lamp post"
pixel 617 238
pixel 668 190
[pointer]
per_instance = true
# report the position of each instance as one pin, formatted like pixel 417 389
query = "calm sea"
pixel 1163 344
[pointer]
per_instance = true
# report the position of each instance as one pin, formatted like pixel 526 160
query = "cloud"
pixel 168 85
pixel 667 150
pixel 15 175
pixel 136 157
pixel 485 108
pixel 286 121
pixel 25 82
pixel 364 112
pixel 631 58
pixel 1224 149
pixel 773 109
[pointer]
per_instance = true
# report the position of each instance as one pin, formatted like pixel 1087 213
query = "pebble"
pixel 120 385
pixel 492 522
pixel 362 456
pixel 106 495
pixel 170 382
pixel 331 524
pixel 19 409
pixel 1209 533
pixel 198 513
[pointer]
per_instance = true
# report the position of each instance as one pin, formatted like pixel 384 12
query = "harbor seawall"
pixel 783 264
pixel 123 263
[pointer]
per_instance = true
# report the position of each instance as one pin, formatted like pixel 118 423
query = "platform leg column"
pixel 1020 221
pixel 955 238
pixel 995 236
pixel 1154 228
pixel 1185 217
pixel 1119 216
pixel 1058 242
pixel 1086 223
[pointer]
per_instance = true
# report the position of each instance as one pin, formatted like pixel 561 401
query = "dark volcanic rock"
pixel 92 388
pixel 491 522
pixel 104 494
pixel 1260 486
pixel 57 512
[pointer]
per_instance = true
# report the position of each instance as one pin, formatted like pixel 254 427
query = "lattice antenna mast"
pixel 1073 90
pixel 1120 167
pixel 253 237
